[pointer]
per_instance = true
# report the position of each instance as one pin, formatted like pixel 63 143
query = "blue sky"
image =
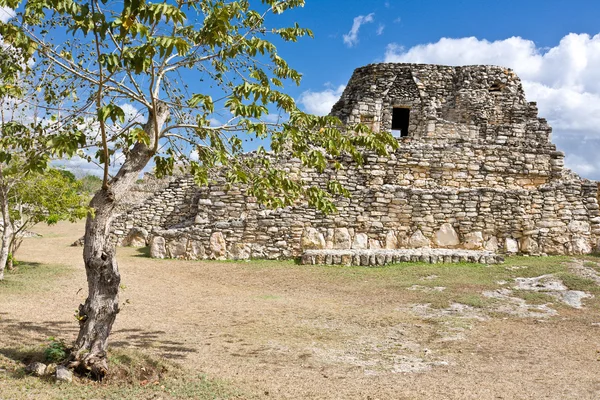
pixel 551 44
pixel 554 46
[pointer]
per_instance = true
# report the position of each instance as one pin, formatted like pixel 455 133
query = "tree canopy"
pixel 125 83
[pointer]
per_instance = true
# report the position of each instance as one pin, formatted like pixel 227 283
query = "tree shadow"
pixel 24 341
pixel 155 340
pixel 15 330
pixel 143 252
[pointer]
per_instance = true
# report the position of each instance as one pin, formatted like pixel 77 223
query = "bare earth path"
pixel 278 330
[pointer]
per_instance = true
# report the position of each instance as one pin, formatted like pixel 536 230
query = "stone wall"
pixel 476 172
pixel 559 218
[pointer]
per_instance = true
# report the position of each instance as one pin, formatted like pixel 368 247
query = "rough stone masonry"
pixel 475 170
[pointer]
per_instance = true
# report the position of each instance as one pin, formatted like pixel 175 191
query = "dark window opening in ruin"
pixel 400 119
pixel 497 87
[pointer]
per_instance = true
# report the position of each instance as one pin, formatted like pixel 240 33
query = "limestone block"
pixel 579 227
pixel 197 251
pixel 419 240
pixel 177 248
pixel 361 241
pixel 374 244
pixel 581 245
pixel 528 245
pixel 258 251
pixel 446 236
pixel 36 369
pixel 157 247
pixel 312 239
pixel 491 244
pixel 136 238
pixel 341 239
pixel 511 246
pixel 329 238
pixel 391 240
pixel 240 251
pixel 473 241
pixel 218 246
pixel 63 374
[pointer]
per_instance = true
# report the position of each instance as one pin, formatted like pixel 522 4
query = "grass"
pixel 133 375
pixel 27 276
pixel 575 282
pixel 534 298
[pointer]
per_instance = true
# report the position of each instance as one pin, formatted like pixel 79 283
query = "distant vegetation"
pixel 90 184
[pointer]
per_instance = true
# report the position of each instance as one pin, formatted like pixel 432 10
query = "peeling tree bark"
pixel 98 313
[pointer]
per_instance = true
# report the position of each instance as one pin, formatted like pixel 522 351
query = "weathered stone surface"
pixel 419 240
pixel 197 251
pixel 473 241
pixel 511 245
pixel 378 257
pixel 158 247
pixel 528 245
pixel 361 241
pixel 374 244
pixel 36 369
pixel 218 246
pixel 240 251
pixel 581 245
pixel 491 244
pixel 342 239
pixel 446 236
pixel 579 227
pixel 476 156
pixel 137 237
pixel 312 239
pixel 177 247
pixel 63 374
pixel 391 240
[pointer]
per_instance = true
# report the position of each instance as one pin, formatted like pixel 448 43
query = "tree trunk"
pixel 98 313
pixel 7 230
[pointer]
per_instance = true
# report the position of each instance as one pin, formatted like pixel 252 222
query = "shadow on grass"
pixel 26 332
pixel 143 252
pixel 155 340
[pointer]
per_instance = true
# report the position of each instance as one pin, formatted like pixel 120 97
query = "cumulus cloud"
pixel 380 29
pixel 320 103
pixel 564 80
pixel 6 14
pixel 351 38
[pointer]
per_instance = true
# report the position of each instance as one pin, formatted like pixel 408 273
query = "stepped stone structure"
pixel 475 171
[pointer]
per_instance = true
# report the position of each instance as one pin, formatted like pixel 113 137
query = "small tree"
pixel 143 54
pixel 49 197
pixel 22 148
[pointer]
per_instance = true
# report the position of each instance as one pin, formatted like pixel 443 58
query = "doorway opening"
pixel 400 120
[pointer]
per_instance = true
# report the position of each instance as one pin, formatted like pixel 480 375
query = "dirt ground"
pixel 283 331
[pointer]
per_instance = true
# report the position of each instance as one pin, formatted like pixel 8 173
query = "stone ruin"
pixel 475 176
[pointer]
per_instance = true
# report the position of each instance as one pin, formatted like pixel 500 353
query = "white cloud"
pixel 6 14
pixel 351 38
pixel 380 29
pixel 320 103
pixel 564 80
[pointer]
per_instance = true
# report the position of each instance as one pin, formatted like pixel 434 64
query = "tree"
pixel 100 59
pixel 50 196
pixel 22 147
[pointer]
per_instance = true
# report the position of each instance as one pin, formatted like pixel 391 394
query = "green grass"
pixel 32 276
pixel 133 375
pixel 534 298
pixel 575 282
